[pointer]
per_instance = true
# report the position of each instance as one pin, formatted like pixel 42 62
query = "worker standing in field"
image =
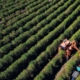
pixel 68 46
pixel 76 72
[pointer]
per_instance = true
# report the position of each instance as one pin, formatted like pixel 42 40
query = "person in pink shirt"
pixel 68 46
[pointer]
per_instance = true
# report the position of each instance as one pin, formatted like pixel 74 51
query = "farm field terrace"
pixel 30 33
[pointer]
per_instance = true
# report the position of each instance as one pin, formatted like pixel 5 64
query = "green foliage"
pixel 29 27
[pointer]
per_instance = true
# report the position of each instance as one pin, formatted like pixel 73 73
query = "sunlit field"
pixel 30 33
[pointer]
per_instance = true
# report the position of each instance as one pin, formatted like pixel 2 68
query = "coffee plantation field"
pixel 30 33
